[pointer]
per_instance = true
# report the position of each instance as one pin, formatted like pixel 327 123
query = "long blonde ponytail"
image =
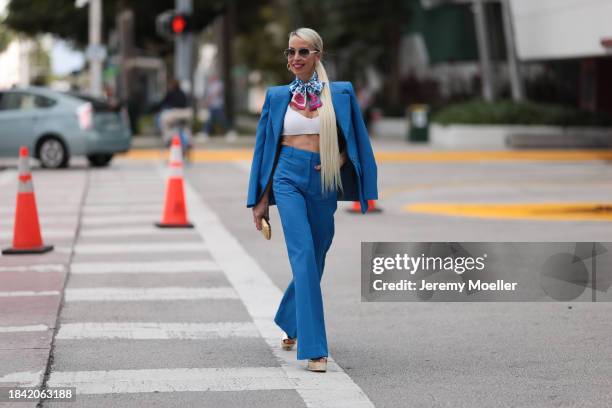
pixel 328 136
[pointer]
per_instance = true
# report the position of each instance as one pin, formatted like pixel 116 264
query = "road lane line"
pixel 172 380
pixel 139 294
pixel 261 298
pixel 156 331
pixel 144 267
pixel 151 247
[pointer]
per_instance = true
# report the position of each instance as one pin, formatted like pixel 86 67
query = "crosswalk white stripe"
pixel 22 378
pixel 172 380
pixel 45 219
pixel 34 268
pixel 139 294
pixel 126 231
pixel 138 200
pixel 19 329
pixel 144 267
pixel 28 293
pixel 48 233
pixel 151 247
pixel 156 331
pixel 7 176
pixel 120 219
pixel 120 209
pixel 6 210
pixel 261 297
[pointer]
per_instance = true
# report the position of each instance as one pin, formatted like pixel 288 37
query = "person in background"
pixel 175 115
pixel 214 101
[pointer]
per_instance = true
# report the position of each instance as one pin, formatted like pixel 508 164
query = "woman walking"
pixel 311 150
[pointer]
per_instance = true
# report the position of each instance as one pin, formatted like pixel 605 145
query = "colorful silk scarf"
pixel 300 89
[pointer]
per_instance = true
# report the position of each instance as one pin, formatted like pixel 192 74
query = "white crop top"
pixel 298 124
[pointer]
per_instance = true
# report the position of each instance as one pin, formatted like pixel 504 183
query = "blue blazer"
pixel 358 180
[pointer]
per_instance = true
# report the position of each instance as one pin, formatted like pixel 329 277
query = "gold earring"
pixel 288 67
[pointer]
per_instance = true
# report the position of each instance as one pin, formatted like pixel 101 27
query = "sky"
pixel 65 59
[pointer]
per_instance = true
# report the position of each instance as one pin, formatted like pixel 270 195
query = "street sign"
pixel 95 52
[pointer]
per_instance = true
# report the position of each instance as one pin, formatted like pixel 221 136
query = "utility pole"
pixel 488 92
pixel 96 53
pixel 125 27
pixel 226 53
pixel 516 81
pixel 95 50
pixel 183 50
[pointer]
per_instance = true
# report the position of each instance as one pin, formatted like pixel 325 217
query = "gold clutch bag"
pixel 266 229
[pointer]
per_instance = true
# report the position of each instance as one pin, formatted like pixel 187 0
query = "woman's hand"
pixel 260 211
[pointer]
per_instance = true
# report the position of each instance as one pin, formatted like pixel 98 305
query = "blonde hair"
pixel 328 136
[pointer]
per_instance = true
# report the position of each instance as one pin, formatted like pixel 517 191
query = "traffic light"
pixel 171 24
pixel 179 24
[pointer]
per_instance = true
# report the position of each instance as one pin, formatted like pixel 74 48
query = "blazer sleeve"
pixel 364 149
pixel 260 138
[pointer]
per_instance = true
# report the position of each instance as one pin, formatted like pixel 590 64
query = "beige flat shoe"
pixel 317 364
pixel 287 343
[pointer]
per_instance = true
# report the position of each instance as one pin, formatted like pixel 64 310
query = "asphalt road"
pixel 182 317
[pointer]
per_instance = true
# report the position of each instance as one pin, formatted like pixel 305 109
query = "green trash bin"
pixel 419 123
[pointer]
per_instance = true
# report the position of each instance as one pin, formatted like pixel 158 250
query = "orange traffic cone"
pixel 175 213
pixel 372 206
pixel 26 232
pixel 356 208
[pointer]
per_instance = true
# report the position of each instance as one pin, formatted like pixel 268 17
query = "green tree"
pixel 63 19
pixel 359 33
pixel 6 36
pixel 40 62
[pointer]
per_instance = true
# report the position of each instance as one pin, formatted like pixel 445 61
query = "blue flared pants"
pixel 307 216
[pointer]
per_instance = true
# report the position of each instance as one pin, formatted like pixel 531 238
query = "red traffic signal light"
pixel 179 23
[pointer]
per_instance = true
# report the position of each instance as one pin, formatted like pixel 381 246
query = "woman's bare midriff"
pixel 303 142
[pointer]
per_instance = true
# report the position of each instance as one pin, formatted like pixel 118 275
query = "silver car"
pixel 56 125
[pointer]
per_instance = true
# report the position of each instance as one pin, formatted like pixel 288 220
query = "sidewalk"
pixel 31 285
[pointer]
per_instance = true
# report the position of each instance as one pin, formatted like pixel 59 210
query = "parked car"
pixel 57 125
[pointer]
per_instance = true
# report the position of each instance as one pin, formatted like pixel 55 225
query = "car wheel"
pixel 99 160
pixel 52 153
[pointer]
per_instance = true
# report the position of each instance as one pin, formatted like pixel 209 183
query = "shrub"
pixel 512 113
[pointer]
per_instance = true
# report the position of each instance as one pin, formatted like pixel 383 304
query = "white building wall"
pixel 14 64
pixel 558 29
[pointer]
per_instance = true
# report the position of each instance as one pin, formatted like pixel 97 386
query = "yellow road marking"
pixel 388 192
pixel 224 155
pixel 537 211
pixel 196 155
